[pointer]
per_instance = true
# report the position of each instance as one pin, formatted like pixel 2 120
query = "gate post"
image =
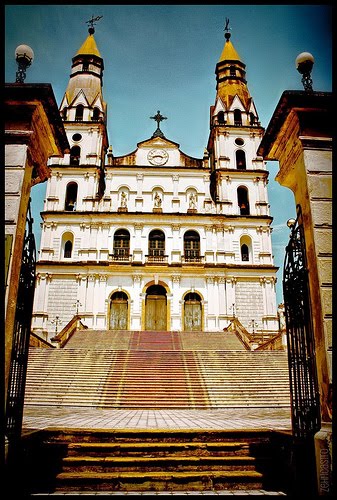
pixel 299 136
pixel 33 132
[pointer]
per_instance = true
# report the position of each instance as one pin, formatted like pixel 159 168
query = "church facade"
pixel 156 239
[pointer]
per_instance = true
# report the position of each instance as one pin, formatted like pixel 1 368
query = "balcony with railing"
pixel 156 256
pixel 121 255
pixel 192 256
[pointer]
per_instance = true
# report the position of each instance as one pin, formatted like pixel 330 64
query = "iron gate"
pixel 300 338
pixel 305 405
pixel 21 333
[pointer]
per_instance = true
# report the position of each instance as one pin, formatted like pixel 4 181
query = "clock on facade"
pixel 157 156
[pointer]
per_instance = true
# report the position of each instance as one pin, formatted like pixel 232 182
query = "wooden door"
pixel 119 315
pixel 192 316
pixel 156 313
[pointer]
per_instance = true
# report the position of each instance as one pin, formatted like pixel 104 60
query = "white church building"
pixel 157 239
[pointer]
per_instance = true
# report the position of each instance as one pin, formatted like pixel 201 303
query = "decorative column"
pixel 211 316
pixel 90 299
pixel 231 305
pixel 222 302
pixel 178 245
pixel 136 318
pixel 139 196
pixel 99 300
pixel 93 252
pixel 175 199
pixel 138 252
pixel 220 247
pixel 81 280
pixel 210 244
pixel 176 316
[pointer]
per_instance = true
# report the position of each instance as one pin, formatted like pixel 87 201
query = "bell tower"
pixel 238 184
pixel 83 108
pixel 235 130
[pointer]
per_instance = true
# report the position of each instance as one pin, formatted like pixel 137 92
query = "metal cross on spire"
pixel 158 118
pixel 92 22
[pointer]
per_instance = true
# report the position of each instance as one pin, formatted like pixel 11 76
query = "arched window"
pixel 64 113
pixel 243 201
pixel 121 250
pixel 85 66
pixel 79 113
pixel 252 118
pixel 75 155
pixel 221 118
pixel 237 118
pixel 244 252
pixel 71 197
pixel 191 246
pixel 156 244
pixel 68 247
pixel 240 159
pixel 232 71
pixel 95 114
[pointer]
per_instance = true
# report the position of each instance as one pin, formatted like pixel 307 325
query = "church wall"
pixel 252 296
pixel 233 245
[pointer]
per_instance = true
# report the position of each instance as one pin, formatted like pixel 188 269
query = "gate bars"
pixel 21 333
pixel 301 345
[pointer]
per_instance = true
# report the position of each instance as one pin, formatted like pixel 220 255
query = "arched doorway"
pixel 192 312
pixel 156 308
pixel 118 311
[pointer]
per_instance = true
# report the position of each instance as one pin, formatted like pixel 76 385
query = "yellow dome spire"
pixel 229 53
pixel 89 47
pixel 231 74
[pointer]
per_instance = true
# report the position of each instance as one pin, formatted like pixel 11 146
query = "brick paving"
pixel 40 417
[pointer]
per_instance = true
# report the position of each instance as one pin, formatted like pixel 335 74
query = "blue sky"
pixel 164 57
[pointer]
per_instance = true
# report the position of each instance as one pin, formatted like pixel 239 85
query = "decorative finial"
pixel 91 23
pixel 158 118
pixel 227 29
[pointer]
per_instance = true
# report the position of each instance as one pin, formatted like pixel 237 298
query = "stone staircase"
pixel 156 370
pixel 70 460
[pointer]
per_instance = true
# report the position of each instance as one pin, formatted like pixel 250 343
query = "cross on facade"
pixel 158 118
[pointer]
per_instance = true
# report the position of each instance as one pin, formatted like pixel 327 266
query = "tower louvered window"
pixel 237 118
pixel 79 113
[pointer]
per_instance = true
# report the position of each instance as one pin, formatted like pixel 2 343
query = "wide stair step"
pixel 67 460
pixel 156 370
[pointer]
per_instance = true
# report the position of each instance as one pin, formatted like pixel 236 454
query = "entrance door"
pixel 192 313
pixel 156 308
pixel 119 311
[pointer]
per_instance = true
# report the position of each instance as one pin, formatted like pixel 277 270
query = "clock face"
pixel 157 156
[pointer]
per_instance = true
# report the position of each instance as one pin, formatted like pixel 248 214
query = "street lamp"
pixel 24 56
pixel 56 321
pixel 291 223
pixel 253 323
pixel 304 64
pixel 77 304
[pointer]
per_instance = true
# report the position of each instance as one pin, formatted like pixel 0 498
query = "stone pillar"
pixel 33 133
pixel 299 136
